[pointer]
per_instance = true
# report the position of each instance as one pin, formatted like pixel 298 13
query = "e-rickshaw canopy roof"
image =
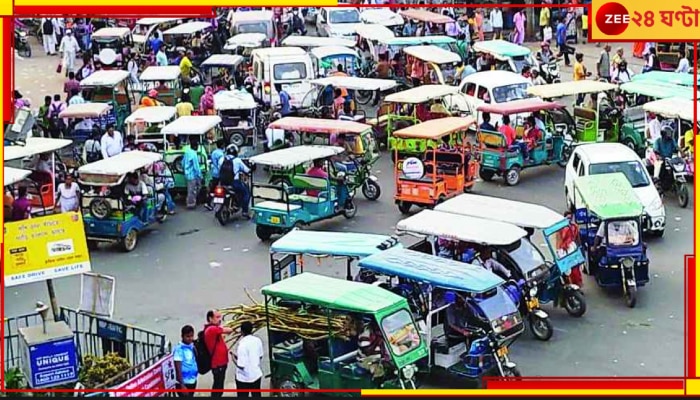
pixel 14 175
pixel 608 196
pixel 111 32
pixel 433 54
pixel 439 272
pixel 337 294
pixel 657 90
pixel 279 51
pixel 34 146
pixel 416 40
pixel 188 28
pixel 374 31
pixel 160 73
pixel 121 164
pixel 461 227
pixel 518 106
pixel 672 107
pixel 667 77
pixel 293 156
pixel 421 94
pixel 222 60
pixel 501 49
pixel 342 244
pixel 518 213
pixel 151 115
pixel 331 51
pixel 191 125
pixel 381 17
pixel 85 110
pixel 356 83
pixel 563 89
pixel 154 21
pixel 255 15
pixel 435 128
pixel 313 41
pixel 234 100
pixel 245 40
pixel 425 16
pixel 105 78
pixel 319 125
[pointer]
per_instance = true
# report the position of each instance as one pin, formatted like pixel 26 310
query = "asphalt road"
pixel 190 264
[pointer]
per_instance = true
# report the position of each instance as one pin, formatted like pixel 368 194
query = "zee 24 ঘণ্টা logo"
pixel 612 19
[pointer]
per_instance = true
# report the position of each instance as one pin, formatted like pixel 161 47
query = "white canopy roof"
pixel 672 107
pixel 110 77
pixel 234 100
pixel 152 115
pixel 245 40
pixel 433 54
pixel 85 110
pixel 33 146
pixel 223 60
pixel 330 51
pixel 14 175
pixel 188 28
pixel 460 227
pixel 355 83
pixel 381 16
pixel 121 164
pixel 153 21
pixel 160 73
pixel 421 94
pixel 316 41
pixel 293 156
pixel 191 125
pixel 556 90
pixel 111 32
pixel 259 15
pixel 518 213
pixel 374 31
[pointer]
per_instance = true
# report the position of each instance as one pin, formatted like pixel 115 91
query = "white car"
pixel 495 87
pixel 338 22
pixel 603 158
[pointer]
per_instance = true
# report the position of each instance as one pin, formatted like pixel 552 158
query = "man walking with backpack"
pixel 56 124
pixel 48 36
pixel 212 353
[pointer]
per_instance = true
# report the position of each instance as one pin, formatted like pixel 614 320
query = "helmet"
pixel 232 150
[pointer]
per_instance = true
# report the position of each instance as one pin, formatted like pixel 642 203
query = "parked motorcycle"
pixel 22 43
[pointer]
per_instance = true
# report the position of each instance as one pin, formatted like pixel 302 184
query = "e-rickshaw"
pixel 500 158
pixel 82 118
pixel 669 54
pixel 166 80
pixel 11 178
pixel 146 27
pixel 509 56
pixel 109 213
pixel 245 43
pixel 609 215
pixel 42 190
pixel 319 101
pixel 326 60
pixel 368 38
pixel 436 287
pixel 394 45
pixel 146 122
pixel 287 253
pixel 239 117
pixel 363 157
pixel 347 309
pixel 561 242
pixel 217 65
pixel 176 140
pixel 438 61
pixel 425 173
pixel 471 240
pixel 383 17
pixel 309 42
pixel 108 45
pixel 304 199
pixel 640 92
pixel 666 78
pixel 680 111
pixel 113 88
pixel 180 36
pixel 428 18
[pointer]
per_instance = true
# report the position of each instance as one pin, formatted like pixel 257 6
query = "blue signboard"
pixel 52 363
pixel 111 330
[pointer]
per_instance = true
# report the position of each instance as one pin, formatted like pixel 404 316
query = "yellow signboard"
pixel 644 20
pixel 45 247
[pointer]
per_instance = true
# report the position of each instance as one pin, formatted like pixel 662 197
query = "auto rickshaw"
pixel 441 63
pixel 560 241
pixel 82 118
pixel 326 60
pixel 509 56
pixel 176 139
pixel 239 117
pixel 500 158
pixel 339 363
pixel 41 190
pixel 146 27
pixel 108 45
pixel 306 199
pixel 365 152
pixel 609 215
pixel 217 65
pixel 109 213
pixel 427 18
pixel 466 239
pixel 287 254
pixel 113 88
pixel 432 285
pixel 146 122
pixel 319 101
pixel 394 45
pixel 426 173
pixel 166 80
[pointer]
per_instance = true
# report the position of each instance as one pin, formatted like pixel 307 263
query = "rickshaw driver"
pixel 341 159
pixel 486 260
pixel 316 170
pixel 136 191
pixel 620 233
pixel 456 318
pixel 233 179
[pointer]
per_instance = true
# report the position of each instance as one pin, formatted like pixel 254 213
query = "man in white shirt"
pixel 69 47
pixel 247 359
pixel 620 233
pixel 496 18
pixel 683 63
pixel 111 143
pixel 654 128
pixel 485 260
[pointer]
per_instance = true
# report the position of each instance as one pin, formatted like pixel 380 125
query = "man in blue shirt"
pixel 156 43
pixel 285 106
pixel 185 361
pixel 486 124
pixel 216 156
pixel 561 42
pixel 664 147
pixel 239 186
pixel 193 172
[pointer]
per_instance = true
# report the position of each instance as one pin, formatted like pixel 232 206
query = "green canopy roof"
pixel 338 294
pixel 666 77
pixel 608 196
pixel 657 90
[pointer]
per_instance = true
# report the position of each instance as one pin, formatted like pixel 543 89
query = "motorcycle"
pixel 673 179
pixel 550 71
pixel 22 43
pixel 225 202
pixel 486 353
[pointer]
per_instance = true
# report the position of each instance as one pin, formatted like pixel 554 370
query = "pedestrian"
pixel 184 107
pixel 69 48
pixel 68 195
pixel 92 149
pixel 155 43
pixel 285 100
pixel 161 58
pixel 185 362
pixel 247 358
pixel 652 62
pixel 56 124
pixel 76 97
pixel 132 66
pixel 88 67
pixel 186 66
pixel 215 343
pixel 580 74
pixel 193 172
pixel 43 116
pixel 206 103
pixel 21 206
pixel 70 85
pixel 603 64
pixel 683 63
pixel 496 18
pixel 479 24
pixel 622 75
pixel 545 16
pixel 519 21
pixel 48 36
pixel 111 143
pixel 617 59
pixel 564 49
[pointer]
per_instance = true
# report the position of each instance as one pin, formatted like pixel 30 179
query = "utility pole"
pixel 533 21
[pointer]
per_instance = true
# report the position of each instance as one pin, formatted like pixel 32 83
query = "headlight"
pixel 679 167
pixel 533 291
pixel 23 34
pixel 409 371
pixel 627 262
pixel 505 322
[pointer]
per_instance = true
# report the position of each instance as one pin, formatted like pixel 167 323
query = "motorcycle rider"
pixel 230 169
pixel 546 58
pixel 664 147
pixel 545 55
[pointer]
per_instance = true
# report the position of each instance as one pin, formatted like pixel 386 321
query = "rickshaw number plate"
pixel 275 220
pixel 218 200
pixel 502 351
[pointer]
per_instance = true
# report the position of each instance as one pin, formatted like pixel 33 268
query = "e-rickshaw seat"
pixel 277 205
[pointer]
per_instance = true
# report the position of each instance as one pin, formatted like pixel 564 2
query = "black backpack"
pixel 47 28
pixel 201 352
pixel 226 174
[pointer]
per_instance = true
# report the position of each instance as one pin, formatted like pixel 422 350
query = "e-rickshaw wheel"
pixel 263 232
pixel 238 139
pixel 350 210
pixel 486 175
pixel 92 244
pixel 575 303
pixel 631 296
pixel 289 383
pixel 130 240
pixel 100 208
pixel 512 176
pixel 404 207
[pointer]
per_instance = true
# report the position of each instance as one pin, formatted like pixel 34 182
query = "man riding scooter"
pixel 664 147
pixel 549 69
pixel 230 177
